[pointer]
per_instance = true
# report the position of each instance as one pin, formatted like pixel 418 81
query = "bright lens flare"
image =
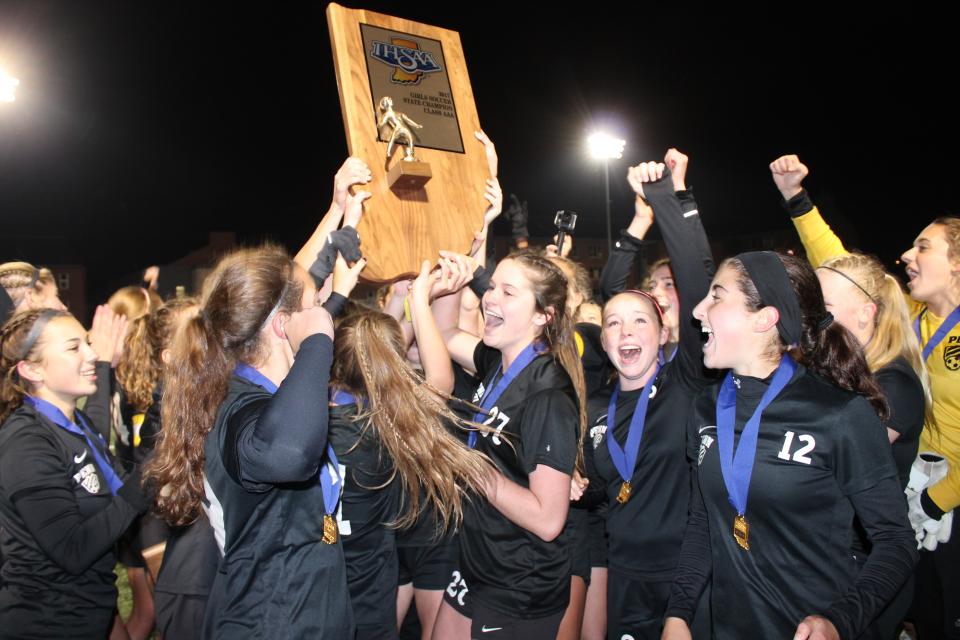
pixel 8 85
pixel 605 147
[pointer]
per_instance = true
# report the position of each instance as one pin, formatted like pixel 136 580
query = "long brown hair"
pixel 238 296
pixel 140 365
pixel 550 292
pixel 833 352
pixel 14 347
pixel 408 417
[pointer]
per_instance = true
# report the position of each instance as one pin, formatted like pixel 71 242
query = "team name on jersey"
pixel 88 479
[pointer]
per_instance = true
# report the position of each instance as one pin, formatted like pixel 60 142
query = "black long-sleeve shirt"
pixel 59 522
pixel 263 460
pixel 822 457
pixel 646 532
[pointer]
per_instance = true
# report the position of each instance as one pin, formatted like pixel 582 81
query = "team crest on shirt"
pixel 597 431
pixel 705 441
pixel 88 479
pixel 478 394
pixel 951 355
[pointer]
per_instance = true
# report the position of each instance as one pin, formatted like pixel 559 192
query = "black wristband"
pixel 335 304
pixel 930 507
pixel 481 281
pixel 798 205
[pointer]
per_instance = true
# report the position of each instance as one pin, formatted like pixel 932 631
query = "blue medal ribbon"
pixel 329 482
pixel 492 394
pixel 737 467
pixel 625 459
pixel 945 328
pixel 86 432
pixel 342 398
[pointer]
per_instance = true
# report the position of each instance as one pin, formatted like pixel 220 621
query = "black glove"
pixel 346 242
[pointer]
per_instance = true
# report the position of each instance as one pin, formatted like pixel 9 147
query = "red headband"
pixel 656 305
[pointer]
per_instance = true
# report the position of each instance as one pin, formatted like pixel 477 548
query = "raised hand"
pixel 493 162
pixel 346 276
pixel 677 163
pixel 354 208
pixel 644 172
pixel 788 174
pixel 352 171
pixel 106 334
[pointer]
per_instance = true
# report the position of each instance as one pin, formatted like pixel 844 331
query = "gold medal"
pixel 329 530
pixel 741 532
pixel 624 494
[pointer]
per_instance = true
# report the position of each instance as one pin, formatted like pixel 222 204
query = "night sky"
pixel 141 126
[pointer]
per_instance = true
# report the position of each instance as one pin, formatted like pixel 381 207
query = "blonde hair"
pixel 19 278
pixel 893 334
pixel 141 366
pixel 134 302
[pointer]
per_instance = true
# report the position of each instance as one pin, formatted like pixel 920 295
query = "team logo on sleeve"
pixel 951 354
pixel 88 479
pixel 409 62
pixel 705 441
pixel 478 394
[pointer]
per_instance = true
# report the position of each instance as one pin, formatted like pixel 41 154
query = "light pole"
pixel 605 147
pixel 8 85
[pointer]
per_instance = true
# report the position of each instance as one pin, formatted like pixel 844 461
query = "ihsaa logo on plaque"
pixel 410 63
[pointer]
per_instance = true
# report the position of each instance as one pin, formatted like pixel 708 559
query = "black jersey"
pixel 508 568
pixel 904 393
pixel 368 506
pixel 264 455
pixel 646 532
pixel 821 455
pixel 58 525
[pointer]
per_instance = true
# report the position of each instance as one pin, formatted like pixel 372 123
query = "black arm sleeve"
pixel 799 204
pixel 98 405
pixel 284 439
pixel 481 281
pixel 688 264
pixel 335 304
pixel 883 512
pixel 613 278
pixel 695 564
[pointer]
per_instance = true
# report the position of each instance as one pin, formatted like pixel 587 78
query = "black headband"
pixel 852 281
pixel 770 278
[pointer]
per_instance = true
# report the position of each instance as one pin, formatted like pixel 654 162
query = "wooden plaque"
pixel 422 68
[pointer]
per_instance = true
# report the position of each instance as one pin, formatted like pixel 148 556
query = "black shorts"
pixel 457 594
pixel 428 567
pixel 579 524
pixel 597 526
pixel 487 623
pixel 635 607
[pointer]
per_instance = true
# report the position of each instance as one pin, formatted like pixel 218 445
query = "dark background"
pixel 141 126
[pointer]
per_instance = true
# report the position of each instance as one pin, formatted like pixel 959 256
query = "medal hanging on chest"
pixel 736 463
pixel 329 529
pixel 741 532
pixel 625 459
